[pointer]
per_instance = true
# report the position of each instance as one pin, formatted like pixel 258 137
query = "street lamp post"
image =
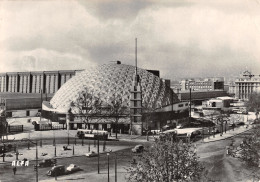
pixel 68 139
pixel 55 150
pixel 40 120
pixel 36 162
pixel 36 166
pixel 54 138
pixel 115 167
pixel 98 155
pixel 3 149
pixel 108 166
pixel 29 140
pixel 226 127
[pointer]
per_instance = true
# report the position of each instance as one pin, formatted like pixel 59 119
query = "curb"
pixel 226 137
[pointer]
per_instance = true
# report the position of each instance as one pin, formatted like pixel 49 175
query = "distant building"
pixel 215 83
pixel 246 84
pixel 33 82
pixel 217 105
pixel 198 96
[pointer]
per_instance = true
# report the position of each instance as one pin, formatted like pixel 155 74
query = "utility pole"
pixel 190 107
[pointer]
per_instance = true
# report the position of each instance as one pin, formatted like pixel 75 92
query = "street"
pixel 87 164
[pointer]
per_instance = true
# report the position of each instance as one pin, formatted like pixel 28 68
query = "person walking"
pixel 14 170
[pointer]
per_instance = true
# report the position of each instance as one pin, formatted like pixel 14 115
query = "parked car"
pixel 56 170
pixel 232 125
pixel 46 163
pixel 138 149
pixel 73 168
pixel 195 134
pixel 91 154
pixel 241 123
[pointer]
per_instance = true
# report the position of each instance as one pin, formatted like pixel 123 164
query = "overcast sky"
pixel 181 38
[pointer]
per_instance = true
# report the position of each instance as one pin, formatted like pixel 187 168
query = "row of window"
pixel 36 85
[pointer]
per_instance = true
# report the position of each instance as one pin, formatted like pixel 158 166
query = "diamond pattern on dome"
pixel 106 81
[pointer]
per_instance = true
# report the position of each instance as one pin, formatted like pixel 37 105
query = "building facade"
pixel 33 82
pixel 215 83
pixel 246 84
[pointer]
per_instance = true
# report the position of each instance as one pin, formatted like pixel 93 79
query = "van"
pixel 56 170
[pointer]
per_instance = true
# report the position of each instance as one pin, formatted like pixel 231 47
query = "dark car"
pixel 240 123
pixel 138 149
pixel 46 163
pixel 57 170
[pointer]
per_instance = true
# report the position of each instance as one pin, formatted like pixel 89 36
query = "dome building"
pixel 110 84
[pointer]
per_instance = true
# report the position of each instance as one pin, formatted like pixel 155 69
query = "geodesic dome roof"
pixel 114 81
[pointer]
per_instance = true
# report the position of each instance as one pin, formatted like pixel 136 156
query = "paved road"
pixel 89 165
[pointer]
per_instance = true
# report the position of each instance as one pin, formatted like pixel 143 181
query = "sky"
pixel 181 38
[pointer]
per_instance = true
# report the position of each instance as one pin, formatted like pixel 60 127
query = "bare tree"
pixel 253 103
pixel 166 161
pixel 86 106
pixel 147 115
pixel 116 109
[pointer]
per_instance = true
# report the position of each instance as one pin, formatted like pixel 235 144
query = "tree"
pixel 147 115
pixel 116 110
pixel 167 160
pixel 86 106
pixel 248 151
pixel 3 124
pixel 253 103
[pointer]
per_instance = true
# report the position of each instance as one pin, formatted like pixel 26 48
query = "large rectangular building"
pixel 246 84
pixel 215 83
pixel 33 82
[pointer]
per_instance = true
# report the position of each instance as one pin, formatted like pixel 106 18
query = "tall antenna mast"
pixel 135 55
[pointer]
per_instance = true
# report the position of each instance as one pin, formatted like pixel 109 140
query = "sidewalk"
pixel 228 134
pixel 33 135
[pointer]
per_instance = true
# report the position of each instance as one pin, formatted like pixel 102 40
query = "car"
pixel 73 168
pixel 91 154
pixel 46 163
pixel 138 149
pixel 56 170
pixel 240 123
pixel 195 134
pixel 232 125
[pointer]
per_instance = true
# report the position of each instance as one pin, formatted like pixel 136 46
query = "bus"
pixel 185 133
pixel 95 134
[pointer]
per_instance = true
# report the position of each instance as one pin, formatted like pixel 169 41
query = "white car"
pixel 91 154
pixel 73 168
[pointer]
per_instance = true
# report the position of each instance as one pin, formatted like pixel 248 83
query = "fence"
pixel 14 128
pixel 44 127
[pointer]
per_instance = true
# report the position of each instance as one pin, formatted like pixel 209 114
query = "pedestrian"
pixel 14 170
